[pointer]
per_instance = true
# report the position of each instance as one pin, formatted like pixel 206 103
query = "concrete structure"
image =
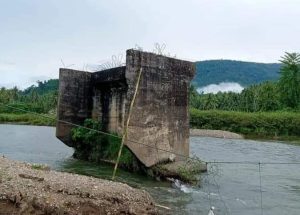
pixel 160 116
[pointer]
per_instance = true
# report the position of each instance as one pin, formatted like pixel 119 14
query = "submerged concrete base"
pixel 186 171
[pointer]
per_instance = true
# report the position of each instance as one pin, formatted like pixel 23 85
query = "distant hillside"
pixel 207 72
pixel 244 73
pixel 43 87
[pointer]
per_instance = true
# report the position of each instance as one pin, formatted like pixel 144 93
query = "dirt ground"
pixel 32 189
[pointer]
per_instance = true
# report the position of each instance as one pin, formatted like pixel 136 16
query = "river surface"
pixel 231 188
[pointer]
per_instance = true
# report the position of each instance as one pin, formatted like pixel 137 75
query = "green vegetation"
pixel 26 119
pixel 94 146
pixel 260 97
pixel 186 171
pixel 289 83
pixel 278 125
pixel 45 87
pixel 40 99
pixel 267 96
pixel 91 145
pixel 244 73
pixel 40 167
pixel 267 110
pixel 258 110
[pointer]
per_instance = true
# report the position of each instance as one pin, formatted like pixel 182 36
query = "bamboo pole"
pixel 127 123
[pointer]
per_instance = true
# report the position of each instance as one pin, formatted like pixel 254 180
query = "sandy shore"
pixel 215 133
pixel 28 189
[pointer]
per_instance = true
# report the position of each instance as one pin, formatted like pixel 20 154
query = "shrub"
pixel 258 124
pixel 92 145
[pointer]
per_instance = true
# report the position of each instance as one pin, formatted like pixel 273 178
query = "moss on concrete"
pixel 187 171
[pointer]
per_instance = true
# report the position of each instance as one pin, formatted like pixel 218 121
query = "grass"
pixel 40 167
pixel 259 125
pixel 26 119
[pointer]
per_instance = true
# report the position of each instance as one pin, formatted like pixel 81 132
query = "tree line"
pixel 283 94
pixel 40 99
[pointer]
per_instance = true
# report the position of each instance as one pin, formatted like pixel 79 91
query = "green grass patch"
pixel 40 167
pixel 265 125
pixel 26 119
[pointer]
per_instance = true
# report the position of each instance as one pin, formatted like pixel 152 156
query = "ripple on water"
pixel 232 189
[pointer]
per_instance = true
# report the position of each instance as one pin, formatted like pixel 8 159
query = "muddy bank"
pixel 215 133
pixel 33 189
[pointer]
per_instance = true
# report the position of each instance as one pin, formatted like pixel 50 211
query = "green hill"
pixel 244 73
pixel 207 72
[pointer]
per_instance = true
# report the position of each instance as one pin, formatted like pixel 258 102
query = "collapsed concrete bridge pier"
pixel 160 115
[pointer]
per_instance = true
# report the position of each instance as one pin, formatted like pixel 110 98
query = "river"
pixel 231 188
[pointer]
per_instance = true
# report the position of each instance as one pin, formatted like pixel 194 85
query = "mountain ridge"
pixel 242 72
pixel 207 72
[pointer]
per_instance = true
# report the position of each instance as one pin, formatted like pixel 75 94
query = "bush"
pixel 26 119
pixel 94 146
pixel 257 124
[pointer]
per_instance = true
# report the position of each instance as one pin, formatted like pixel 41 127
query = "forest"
pixel 283 94
pixel 270 108
pixel 17 106
pixel 267 110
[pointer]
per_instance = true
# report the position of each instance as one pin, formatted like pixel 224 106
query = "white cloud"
pixel 41 33
pixel 221 87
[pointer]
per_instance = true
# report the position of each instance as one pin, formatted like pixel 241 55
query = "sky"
pixel 38 37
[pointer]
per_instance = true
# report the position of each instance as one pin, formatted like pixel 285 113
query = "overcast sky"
pixel 35 35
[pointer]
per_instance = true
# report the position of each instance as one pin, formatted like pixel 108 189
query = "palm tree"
pixel 289 83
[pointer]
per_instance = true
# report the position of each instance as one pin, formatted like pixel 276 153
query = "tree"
pixel 289 82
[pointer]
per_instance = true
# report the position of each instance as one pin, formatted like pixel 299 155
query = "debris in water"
pixel 211 211
pixel 182 187
pixel 242 201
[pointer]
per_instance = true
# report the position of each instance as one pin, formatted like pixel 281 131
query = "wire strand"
pixel 101 132
pixel 153 147
pixel 260 189
pixel 168 151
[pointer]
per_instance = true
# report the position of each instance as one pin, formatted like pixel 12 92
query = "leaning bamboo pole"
pixel 127 123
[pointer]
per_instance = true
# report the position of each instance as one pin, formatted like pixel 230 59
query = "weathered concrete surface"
pixel 74 102
pixel 160 117
pixel 109 97
pixel 186 170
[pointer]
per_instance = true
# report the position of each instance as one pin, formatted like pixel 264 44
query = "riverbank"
pixel 260 125
pixel 34 189
pixel 214 133
pixel 278 126
pixel 26 119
